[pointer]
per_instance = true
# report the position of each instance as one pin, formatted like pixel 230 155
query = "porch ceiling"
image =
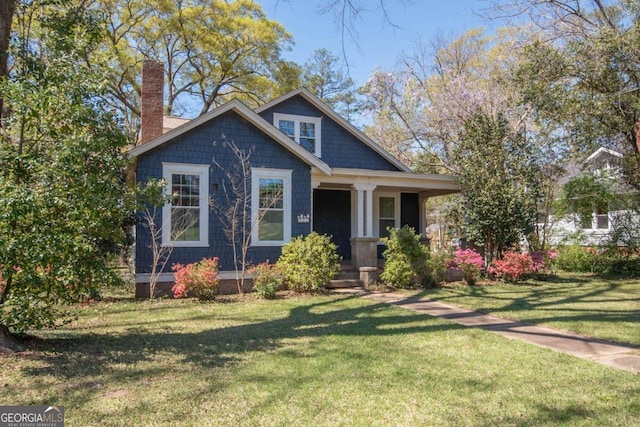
pixel 429 185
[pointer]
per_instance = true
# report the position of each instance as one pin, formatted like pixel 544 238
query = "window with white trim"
pixel 302 129
pixel 270 207
pixel 387 213
pixel 186 216
pixel 599 220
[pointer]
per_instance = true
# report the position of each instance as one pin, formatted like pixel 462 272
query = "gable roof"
pixel 602 150
pixel 324 108
pixel 253 118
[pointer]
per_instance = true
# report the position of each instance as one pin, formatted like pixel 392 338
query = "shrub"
pixel 308 263
pixel 198 279
pixel 617 262
pixel 470 262
pixel 266 279
pixel 574 258
pixel 405 259
pixel 437 265
pixel 512 267
pixel 543 260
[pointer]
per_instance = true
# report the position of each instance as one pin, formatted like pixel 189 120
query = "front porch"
pixel 356 206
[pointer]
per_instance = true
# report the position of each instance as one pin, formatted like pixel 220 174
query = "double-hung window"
pixel 185 217
pixel 388 213
pixel 302 129
pixel 270 207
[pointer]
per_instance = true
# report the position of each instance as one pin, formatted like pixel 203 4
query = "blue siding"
pixel 340 149
pixel 200 146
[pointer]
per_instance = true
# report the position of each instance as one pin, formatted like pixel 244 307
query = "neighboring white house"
pixel 598 228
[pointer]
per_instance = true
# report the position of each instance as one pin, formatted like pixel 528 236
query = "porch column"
pixel 364 244
pixel 422 202
pixel 364 209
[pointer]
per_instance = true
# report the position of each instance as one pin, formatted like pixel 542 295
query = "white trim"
pixel 429 184
pixel 376 210
pixel 256 175
pixel 170 277
pixel 169 169
pixel 297 119
pixel 324 108
pixel 253 118
pixel 602 150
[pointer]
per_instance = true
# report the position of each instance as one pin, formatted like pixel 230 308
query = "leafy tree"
pixel 325 78
pixel 499 179
pixel 64 206
pixel 581 75
pixel 212 50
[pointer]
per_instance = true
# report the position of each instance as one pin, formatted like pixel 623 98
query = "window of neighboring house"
pixel 388 213
pixel 270 207
pixel 602 219
pixel 586 222
pixel 302 129
pixel 185 217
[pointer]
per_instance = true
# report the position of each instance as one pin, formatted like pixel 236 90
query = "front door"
pixel 332 216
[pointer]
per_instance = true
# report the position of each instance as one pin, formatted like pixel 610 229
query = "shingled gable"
pixel 252 117
pixel 321 106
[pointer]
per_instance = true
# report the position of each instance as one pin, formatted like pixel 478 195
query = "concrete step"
pixel 345 283
pixel 344 275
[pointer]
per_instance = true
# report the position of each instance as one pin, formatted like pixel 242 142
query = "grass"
pixel 581 303
pixel 307 361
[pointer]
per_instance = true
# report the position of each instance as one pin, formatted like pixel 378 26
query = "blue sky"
pixel 378 42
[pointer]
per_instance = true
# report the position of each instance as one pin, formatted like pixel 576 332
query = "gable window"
pixel 302 129
pixel 388 213
pixel 185 217
pixel 270 207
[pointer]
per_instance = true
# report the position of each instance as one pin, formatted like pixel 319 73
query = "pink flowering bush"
pixel 512 267
pixel 470 262
pixel 198 279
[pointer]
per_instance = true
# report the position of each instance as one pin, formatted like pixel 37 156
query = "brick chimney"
pixel 152 100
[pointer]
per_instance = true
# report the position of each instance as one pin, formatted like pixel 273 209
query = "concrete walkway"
pixel 607 353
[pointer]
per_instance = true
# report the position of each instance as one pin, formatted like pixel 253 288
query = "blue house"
pixel 310 170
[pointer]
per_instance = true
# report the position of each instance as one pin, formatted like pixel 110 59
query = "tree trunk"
pixel 7 10
pixel 8 343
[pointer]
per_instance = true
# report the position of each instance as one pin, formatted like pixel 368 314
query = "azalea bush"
pixel 308 263
pixel 266 279
pixel 470 262
pixel 543 260
pixel 198 279
pixel 512 267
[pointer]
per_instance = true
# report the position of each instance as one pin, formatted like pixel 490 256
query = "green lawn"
pixel 585 304
pixel 305 361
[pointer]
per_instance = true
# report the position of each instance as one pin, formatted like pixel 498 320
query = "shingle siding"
pixel 340 149
pixel 201 146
